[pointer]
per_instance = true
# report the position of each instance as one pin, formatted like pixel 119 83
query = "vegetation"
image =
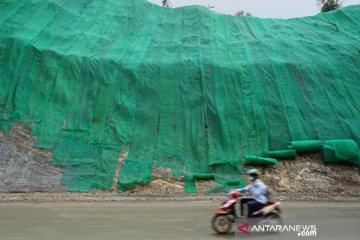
pixel 242 13
pixel 328 5
pixel 166 3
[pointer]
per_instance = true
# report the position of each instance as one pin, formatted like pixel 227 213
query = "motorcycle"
pixel 227 214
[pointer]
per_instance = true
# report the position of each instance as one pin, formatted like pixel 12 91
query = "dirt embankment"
pixel 307 177
pixel 25 175
pixel 24 168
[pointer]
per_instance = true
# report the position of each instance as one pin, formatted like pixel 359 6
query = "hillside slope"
pixel 184 89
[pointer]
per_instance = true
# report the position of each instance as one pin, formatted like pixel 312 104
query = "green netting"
pixel 185 89
pixel 140 170
pixel 95 174
pixel 286 154
pixel 307 146
pixel 204 176
pixel 190 185
pixel 254 160
pixel 345 150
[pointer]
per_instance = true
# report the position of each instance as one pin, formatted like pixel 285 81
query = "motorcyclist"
pixel 259 192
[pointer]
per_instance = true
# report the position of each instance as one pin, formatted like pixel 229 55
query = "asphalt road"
pixel 162 220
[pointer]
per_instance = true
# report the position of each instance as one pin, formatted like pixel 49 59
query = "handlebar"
pixel 235 193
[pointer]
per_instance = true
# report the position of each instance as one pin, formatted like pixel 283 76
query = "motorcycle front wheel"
pixel 221 223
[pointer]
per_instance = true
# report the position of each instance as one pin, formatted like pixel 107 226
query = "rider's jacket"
pixel 258 190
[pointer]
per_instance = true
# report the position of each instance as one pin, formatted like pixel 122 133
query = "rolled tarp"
pixel 307 146
pixel 283 154
pixel 262 161
pixel 344 150
pixel 204 176
pixel 233 182
pixel 190 185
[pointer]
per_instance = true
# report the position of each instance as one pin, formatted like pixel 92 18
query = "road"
pixel 160 220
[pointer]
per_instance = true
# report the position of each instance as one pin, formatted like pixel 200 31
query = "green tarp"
pixel 185 89
pixel 307 146
pixel 343 150
pixel 255 160
pixel 282 154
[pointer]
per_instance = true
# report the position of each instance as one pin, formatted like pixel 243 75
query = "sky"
pixel 261 8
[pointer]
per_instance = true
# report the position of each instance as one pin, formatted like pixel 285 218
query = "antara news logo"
pixel 299 229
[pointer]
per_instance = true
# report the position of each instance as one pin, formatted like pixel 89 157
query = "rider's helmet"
pixel 253 173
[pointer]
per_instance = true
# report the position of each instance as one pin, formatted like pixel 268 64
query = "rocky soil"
pixel 24 168
pixel 307 177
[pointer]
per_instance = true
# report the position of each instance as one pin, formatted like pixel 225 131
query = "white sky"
pixel 261 8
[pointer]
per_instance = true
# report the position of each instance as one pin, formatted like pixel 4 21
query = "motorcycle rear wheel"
pixel 272 219
pixel 221 223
